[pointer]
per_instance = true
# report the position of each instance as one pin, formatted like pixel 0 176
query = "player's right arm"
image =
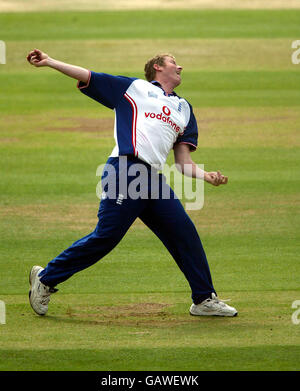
pixel 40 59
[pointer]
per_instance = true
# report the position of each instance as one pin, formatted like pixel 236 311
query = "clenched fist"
pixel 37 58
pixel 216 178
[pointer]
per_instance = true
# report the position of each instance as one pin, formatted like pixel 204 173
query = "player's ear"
pixel 157 67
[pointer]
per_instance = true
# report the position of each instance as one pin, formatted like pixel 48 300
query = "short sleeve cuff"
pixel 81 84
pixel 193 147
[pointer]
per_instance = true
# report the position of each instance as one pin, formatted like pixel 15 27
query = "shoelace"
pixel 219 301
pixel 223 300
pixel 45 295
pixel 46 300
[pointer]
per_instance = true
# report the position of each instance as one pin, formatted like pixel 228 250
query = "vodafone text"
pixel 162 380
pixel 165 117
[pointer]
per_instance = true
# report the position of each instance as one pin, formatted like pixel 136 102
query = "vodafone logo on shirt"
pixel 166 111
pixel 165 117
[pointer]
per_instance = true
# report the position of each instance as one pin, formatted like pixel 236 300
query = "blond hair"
pixel 159 59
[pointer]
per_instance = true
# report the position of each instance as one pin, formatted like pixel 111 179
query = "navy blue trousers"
pixel 166 217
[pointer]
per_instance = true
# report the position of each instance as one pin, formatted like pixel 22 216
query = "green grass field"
pixel 130 310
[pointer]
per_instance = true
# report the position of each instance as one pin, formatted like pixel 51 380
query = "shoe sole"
pixel 224 316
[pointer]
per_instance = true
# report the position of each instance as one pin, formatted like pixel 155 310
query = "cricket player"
pixel 150 121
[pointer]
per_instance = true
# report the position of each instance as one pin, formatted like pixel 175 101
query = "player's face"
pixel 172 70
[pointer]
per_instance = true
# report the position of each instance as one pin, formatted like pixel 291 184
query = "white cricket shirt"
pixel 148 123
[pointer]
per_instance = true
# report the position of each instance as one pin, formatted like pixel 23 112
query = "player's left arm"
pixel 187 166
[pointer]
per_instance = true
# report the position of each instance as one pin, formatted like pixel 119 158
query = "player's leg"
pixel 114 221
pixel 171 224
pixel 169 221
pixel 115 217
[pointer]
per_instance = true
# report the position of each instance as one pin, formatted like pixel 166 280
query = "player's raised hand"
pixel 37 58
pixel 216 178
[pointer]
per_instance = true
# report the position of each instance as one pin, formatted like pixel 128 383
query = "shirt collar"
pixel 157 83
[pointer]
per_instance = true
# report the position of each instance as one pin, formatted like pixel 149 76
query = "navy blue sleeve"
pixel 190 135
pixel 105 89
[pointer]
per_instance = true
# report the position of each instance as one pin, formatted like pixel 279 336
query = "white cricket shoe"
pixel 213 306
pixel 39 294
